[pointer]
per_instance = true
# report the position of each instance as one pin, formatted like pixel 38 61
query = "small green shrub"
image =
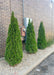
pixel 50 42
pixel 31 45
pixel 41 42
pixel 13 53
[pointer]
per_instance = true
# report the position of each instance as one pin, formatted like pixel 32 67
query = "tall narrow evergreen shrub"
pixel 31 45
pixel 41 37
pixel 13 53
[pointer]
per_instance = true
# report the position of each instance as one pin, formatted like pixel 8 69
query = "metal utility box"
pixel 26 21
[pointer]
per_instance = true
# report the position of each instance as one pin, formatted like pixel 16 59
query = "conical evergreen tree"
pixel 42 43
pixel 13 53
pixel 31 45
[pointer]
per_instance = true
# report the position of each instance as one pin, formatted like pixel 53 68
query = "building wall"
pixel 4 23
pixel 6 7
pixel 38 10
pixel 17 7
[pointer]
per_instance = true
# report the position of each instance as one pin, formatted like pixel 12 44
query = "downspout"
pixel 23 12
pixel 23 21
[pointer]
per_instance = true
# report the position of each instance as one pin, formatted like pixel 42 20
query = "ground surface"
pixel 29 61
pixel 45 68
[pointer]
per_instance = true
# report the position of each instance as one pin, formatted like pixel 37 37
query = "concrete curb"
pixel 37 63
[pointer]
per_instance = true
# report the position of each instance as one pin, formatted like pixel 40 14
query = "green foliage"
pixel 13 53
pixel 50 42
pixel 41 37
pixel 31 45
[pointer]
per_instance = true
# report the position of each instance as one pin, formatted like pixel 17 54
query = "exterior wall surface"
pixel 4 23
pixel 6 7
pixel 38 10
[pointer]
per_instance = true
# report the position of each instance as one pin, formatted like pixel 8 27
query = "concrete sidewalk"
pixel 28 63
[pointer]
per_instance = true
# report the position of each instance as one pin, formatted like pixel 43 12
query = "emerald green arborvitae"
pixel 42 43
pixel 13 53
pixel 31 45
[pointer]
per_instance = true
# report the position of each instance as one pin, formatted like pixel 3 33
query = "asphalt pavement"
pixel 44 68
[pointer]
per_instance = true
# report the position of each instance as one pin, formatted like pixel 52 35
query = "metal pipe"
pixel 23 11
